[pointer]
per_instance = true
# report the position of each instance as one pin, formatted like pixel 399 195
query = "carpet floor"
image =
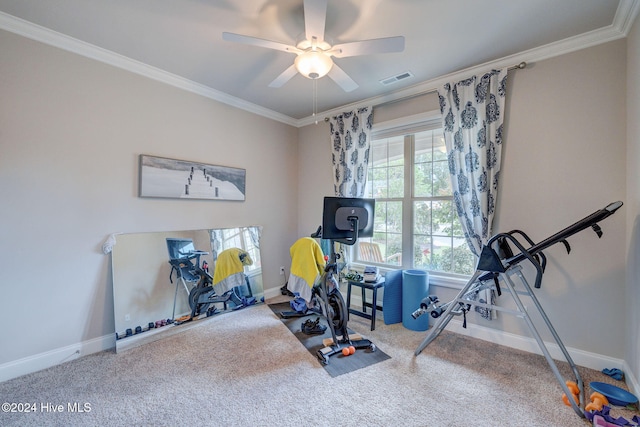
pixel 246 368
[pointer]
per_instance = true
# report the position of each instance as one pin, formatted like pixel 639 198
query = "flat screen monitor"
pixel 338 212
pixel 179 248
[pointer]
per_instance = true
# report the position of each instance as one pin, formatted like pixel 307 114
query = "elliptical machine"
pixel 344 219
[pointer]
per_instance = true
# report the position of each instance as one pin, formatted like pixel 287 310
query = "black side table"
pixel 373 286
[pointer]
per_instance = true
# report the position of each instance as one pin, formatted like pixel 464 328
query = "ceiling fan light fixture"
pixel 313 64
pixel 315 51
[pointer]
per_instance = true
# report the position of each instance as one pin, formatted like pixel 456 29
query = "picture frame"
pixel 182 179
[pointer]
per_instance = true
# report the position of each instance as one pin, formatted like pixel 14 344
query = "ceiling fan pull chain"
pixel 315 98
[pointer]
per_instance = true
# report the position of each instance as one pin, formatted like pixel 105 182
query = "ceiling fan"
pixel 314 53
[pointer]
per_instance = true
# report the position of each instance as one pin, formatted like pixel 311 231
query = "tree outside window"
pixel 415 221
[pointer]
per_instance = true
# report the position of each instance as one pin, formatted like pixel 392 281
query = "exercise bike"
pixel 343 219
pixel 335 311
pixel 202 296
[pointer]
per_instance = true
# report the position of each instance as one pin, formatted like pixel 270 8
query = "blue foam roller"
pixel 392 298
pixel 415 286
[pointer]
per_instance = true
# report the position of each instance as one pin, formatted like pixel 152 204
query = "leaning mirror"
pixel 165 282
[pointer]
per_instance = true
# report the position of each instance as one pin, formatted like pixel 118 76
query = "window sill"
pixel 435 279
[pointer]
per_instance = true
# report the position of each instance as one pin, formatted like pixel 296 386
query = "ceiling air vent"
pixel 396 78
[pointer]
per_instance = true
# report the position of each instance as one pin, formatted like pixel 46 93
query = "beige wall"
pixel 71 130
pixel 563 159
pixel 314 175
pixel 632 295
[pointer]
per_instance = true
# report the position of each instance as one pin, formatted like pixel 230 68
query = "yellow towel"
pixel 230 261
pixel 307 260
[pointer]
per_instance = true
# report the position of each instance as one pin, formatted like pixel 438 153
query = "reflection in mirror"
pixel 164 281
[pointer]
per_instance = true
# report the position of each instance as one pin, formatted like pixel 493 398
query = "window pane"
pixel 393 249
pixel 380 221
pixel 394 217
pixel 422 230
pixel 442 254
pixel 423 151
pixel 368 188
pixel 386 245
pixel 439 147
pixel 464 262
pixel 422 245
pixel 422 180
pixel 378 154
pixel 431 171
pixel 388 217
pixel 252 249
pixel 378 178
pixel 386 168
pixel 396 181
pixel 422 218
pixel 396 151
pixel 384 248
pixel 441 179
pixel 442 218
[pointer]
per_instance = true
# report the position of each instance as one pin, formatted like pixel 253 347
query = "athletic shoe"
pixel 313 327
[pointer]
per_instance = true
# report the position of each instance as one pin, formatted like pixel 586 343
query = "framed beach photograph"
pixel 182 179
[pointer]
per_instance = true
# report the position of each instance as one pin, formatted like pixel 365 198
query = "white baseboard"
pixel 529 344
pixel 55 357
pixel 272 293
pixel 631 380
pixel 587 359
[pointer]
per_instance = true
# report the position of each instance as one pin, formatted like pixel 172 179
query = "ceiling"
pixel 180 41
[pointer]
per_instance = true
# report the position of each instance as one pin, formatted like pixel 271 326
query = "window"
pixel 240 238
pixel 415 221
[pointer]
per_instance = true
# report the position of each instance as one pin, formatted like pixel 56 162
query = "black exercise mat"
pixel 338 364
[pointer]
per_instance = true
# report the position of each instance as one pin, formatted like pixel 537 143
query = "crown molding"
pixel 53 38
pixel 622 23
pixel 625 16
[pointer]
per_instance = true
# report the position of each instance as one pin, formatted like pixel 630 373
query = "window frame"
pixel 404 126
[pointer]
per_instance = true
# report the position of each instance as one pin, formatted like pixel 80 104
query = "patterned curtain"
pixel 473 115
pixel 255 233
pixel 350 140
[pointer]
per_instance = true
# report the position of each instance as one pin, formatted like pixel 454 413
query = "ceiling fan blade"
pixel 315 15
pixel 368 47
pixel 254 41
pixel 284 77
pixel 338 75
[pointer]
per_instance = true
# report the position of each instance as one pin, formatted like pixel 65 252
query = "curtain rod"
pixel 519 66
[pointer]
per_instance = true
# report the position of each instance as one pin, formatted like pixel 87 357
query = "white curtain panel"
pixel 350 143
pixel 473 115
